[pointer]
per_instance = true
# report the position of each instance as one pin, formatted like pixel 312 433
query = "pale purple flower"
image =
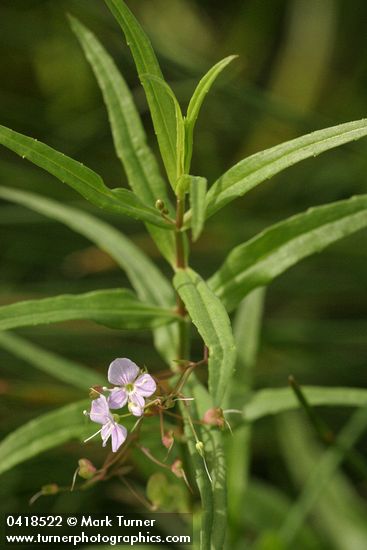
pixel 101 414
pixel 132 388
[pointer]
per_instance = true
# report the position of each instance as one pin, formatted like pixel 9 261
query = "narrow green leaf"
pixel 274 401
pixel 211 320
pixel 148 282
pixel 197 201
pixel 261 166
pixel 258 261
pixel 196 102
pixel 44 433
pixel 63 369
pixel 84 180
pixel 160 103
pixel 128 133
pixel 180 126
pixel 117 308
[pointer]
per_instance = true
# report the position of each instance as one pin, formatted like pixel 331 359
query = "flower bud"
pixel 214 417
pixel 50 489
pixel 168 439
pixel 95 392
pixel 200 448
pixel 160 205
pixel 86 468
pixel 177 469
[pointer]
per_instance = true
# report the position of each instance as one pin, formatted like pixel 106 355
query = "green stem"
pixel 180 248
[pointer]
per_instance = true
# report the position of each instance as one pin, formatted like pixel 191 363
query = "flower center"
pixel 129 387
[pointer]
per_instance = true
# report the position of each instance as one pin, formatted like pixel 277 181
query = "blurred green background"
pixel 302 66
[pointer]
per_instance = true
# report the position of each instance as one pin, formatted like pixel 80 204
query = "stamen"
pixel 184 399
pixel 91 437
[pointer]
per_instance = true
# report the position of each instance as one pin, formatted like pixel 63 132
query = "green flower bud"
pixel 50 489
pixel 200 448
pixel 86 468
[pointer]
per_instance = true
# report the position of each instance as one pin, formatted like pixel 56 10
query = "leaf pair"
pixel 174 133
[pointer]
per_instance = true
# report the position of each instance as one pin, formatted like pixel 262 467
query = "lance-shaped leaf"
pixel 196 102
pixel 160 103
pixel 277 400
pixel 118 308
pixel 44 433
pixel 258 261
pixel 63 369
pixel 128 133
pixel 211 320
pixel 84 180
pixel 197 201
pixel 261 166
pixel 147 280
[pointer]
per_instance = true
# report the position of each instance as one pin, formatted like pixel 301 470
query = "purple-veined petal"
pixel 136 398
pixel 122 371
pixel 118 436
pixel 99 411
pixel 135 409
pixel 117 398
pixel 106 431
pixel 145 385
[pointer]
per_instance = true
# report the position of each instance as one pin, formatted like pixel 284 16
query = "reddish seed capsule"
pixel 214 417
pixel 168 439
pixel 177 469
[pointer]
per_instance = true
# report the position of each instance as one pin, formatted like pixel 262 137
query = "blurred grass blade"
pixel 211 320
pixel 160 103
pixel 44 433
pixel 84 180
pixel 118 308
pixel 246 330
pixel 63 369
pixel 128 133
pixel 258 261
pixel 274 401
pixel 257 168
pixel 196 102
pixel 148 282
pixel 197 201
pixel 269 507
pixel 319 484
